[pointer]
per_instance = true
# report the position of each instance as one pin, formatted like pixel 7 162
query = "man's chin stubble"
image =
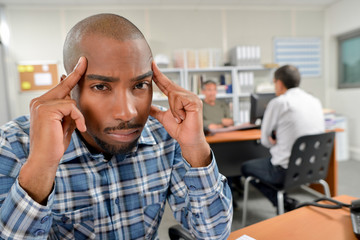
pixel 115 149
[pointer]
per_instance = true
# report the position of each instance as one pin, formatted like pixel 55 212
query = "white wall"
pixel 37 33
pixel 340 18
pixel 4 112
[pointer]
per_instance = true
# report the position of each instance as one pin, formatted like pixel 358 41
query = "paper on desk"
pixel 242 126
pixel 245 237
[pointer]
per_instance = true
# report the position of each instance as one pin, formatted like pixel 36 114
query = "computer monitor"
pixel 258 102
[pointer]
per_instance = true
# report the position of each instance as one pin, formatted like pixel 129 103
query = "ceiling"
pixel 317 3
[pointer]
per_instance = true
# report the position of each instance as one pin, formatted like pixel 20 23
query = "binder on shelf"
pixel 197 81
pixel 246 82
pixel 197 58
pixel 245 56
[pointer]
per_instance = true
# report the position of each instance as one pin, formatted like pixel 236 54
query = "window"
pixel 349 60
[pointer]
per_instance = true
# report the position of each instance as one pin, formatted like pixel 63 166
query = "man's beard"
pixel 115 149
pixel 118 149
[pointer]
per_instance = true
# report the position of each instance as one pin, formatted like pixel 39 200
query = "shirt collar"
pixel 291 90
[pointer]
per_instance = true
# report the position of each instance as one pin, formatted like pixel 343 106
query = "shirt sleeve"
pixel 20 216
pixel 24 218
pixel 201 200
pixel 270 120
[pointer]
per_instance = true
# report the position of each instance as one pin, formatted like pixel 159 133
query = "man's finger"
pixel 160 115
pixel 65 86
pixel 156 113
pixel 163 83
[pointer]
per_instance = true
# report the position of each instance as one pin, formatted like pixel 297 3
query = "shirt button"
pixel 64 219
pixel 117 201
pixel 192 187
pixel 44 219
pixel 39 232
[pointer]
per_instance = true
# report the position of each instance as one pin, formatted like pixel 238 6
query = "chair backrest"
pixel 309 159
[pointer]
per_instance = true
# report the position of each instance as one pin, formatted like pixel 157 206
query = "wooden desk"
pixel 231 149
pixel 304 223
pixel 235 136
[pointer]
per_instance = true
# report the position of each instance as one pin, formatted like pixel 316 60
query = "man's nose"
pixel 124 107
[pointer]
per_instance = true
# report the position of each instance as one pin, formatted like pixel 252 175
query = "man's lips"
pixel 124 135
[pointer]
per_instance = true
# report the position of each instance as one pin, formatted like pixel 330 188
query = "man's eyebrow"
pixel 101 78
pixel 112 79
pixel 142 76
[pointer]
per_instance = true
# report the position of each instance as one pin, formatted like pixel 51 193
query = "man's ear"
pixel 282 85
pixel 282 88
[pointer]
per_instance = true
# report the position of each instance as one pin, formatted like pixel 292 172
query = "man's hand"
pixel 227 122
pixel 271 140
pixel 213 126
pixel 53 118
pixel 183 121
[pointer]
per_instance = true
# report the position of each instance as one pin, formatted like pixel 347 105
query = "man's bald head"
pixel 105 25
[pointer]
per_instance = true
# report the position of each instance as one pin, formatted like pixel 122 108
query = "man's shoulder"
pixel 221 103
pixel 153 124
pixel 304 96
pixel 155 131
pixel 18 126
pixel 277 101
pixel 14 138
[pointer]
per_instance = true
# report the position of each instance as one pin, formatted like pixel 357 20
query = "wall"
pixel 4 112
pixel 340 18
pixel 37 33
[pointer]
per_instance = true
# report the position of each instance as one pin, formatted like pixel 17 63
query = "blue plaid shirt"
pixel 120 198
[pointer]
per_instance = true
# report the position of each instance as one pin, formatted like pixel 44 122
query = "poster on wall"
pixel 304 53
pixel 37 75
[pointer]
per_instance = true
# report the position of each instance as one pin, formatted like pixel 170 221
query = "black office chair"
pixel 177 232
pixel 308 163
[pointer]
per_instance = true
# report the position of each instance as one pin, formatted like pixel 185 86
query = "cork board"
pixel 38 76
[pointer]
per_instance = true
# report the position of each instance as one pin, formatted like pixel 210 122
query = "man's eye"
pixel 142 85
pixel 100 87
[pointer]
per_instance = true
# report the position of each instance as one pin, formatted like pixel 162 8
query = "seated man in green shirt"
pixel 216 113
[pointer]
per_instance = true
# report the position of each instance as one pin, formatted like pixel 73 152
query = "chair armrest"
pixel 177 232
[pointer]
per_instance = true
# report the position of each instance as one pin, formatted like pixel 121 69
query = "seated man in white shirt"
pixel 292 114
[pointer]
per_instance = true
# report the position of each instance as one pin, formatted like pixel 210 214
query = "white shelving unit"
pixel 185 76
pixel 174 74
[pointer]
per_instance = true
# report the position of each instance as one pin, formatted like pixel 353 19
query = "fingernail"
pixel 78 63
pixel 63 76
pixel 155 64
pixel 177 120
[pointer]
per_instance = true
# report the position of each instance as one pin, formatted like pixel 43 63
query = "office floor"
pixel 260 209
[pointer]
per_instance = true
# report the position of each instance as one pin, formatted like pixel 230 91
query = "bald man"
pixel 95 160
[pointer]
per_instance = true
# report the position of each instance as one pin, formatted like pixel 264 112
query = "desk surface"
pixel 304 223
pixel 242 135
pixel 234 136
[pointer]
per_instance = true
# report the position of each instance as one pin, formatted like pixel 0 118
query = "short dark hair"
pixel 208 82
pixel 289 75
